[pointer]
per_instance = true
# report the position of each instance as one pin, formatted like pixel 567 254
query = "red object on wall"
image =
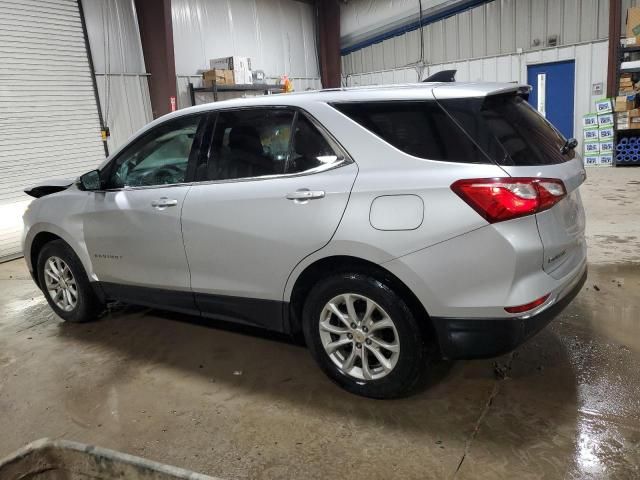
pixel 172 103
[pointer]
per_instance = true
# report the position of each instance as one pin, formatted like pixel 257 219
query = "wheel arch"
pixel 335 264
pixel 37 244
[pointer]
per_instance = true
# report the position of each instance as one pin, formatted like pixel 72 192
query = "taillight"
pixel 500 199
pixel 528 306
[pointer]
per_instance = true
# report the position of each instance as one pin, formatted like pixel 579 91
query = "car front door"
pixel 272 190
pixel 132 228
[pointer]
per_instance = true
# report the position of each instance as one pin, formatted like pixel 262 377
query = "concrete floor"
pixel 565 405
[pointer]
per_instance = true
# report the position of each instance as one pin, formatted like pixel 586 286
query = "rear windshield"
pixel 509 130
pixel 420 128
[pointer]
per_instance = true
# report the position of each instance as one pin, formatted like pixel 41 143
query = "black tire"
pixel 88 306
pixel 413 356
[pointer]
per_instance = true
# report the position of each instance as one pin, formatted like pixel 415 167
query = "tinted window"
pixel 248 143
pixel 421 128
pixel 310 148
pixel 509 130
pixel 160 157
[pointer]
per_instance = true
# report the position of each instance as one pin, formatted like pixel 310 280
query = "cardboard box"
pixel 626 102
pixel 605 133
pixel 590 134
pixel 590 120
pixel 605 160
pixel 633 22
pixel 230 63
pixel 591 148
pixel 605 120
pixel 604 105
pixel 241 67
pixel 591 160
pixel 606 146
pixel 628 114
pixel 628 123
pixel 218 76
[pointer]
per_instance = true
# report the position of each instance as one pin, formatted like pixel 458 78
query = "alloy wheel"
pixel 60 284
pixel 359 336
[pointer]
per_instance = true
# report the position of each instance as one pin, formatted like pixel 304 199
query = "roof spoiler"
pixel 442 76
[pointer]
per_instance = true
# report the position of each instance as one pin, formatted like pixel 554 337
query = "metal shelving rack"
pixel 264 88
pixel 622 50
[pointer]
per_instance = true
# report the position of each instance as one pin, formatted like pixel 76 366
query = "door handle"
pixel 304 194
pixel 163 203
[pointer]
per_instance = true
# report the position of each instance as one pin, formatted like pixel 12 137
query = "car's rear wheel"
pixel 65 283
pixel 364 336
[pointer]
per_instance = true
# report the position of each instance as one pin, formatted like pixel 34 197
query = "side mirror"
pixel 91 181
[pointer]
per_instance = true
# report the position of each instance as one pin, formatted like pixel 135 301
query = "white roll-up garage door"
pixel 49 123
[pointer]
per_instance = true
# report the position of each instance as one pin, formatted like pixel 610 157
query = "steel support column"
pixel 328 24
pixel 156 33
pixel 615 25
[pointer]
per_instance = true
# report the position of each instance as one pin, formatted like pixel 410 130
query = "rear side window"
pixel 509 130
pixel 249 143
pixel 421 128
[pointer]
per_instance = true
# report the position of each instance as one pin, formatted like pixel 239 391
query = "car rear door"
pixel 525 144
pixel 266 199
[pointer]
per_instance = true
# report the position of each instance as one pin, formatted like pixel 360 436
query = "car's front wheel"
pixel 65 284
pixel 364 337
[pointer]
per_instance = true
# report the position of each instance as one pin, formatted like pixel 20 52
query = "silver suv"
pixel 384 224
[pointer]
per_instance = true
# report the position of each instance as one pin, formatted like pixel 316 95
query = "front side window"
pixel 160 157
pixel 253 143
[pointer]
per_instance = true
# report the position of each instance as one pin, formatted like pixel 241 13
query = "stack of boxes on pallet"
pixel 627 118
pixel 599 135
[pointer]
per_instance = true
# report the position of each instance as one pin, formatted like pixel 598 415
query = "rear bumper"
pixel 463 338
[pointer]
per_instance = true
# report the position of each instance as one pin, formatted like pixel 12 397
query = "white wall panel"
pixel 451 38
pixel 571 28
pixel 465 35
pixel 523 24
pixel 436 36
pixel 116 50
pixel 388 50
pixel 479 30
pixel 412 47
pixel 400 47
pixel 588 19
pixel 378 56
pixel 278 35
pixel 127 107
pixel 507 26
pixel 555 20
pixel 492 27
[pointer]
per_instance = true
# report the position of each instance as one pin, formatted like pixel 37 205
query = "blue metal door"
pixel 552 93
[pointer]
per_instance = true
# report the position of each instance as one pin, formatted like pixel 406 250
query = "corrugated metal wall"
pixel 123 86
pixel 590 59
pixel 278 35
pixel 494 28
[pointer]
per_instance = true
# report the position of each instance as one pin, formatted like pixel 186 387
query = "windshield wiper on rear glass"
pixel 570 144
